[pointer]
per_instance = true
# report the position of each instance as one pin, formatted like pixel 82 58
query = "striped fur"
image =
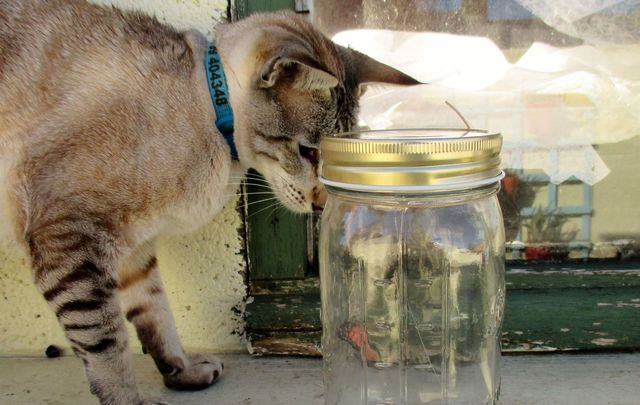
pixel 107 142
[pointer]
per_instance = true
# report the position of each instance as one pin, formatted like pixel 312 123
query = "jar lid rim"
pixel 429 158
pixel 414 189
pixel 425 134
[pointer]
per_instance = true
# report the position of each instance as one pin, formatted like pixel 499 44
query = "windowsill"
pixel 526 379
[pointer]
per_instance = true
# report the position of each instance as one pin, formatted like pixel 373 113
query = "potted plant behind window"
pixel 513 195
pixel 510 182
pixel 546 237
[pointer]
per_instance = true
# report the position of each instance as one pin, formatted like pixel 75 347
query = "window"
pixel 561 85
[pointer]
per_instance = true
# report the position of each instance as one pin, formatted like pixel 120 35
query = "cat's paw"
pixel 154 401
pixel 202 370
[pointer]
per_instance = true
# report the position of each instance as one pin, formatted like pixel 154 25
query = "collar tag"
pixel 220 97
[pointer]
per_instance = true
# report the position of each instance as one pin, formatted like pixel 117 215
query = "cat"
pixel 107 140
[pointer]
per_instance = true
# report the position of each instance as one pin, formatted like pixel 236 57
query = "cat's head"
pixel 290 85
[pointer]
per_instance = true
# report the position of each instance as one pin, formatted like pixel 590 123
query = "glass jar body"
pixel 412 298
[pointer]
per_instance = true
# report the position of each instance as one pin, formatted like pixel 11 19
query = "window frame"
pixel 566 306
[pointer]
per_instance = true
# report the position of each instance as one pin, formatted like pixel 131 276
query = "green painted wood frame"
pixel 550 307
pixel 243 8
pixel 277 239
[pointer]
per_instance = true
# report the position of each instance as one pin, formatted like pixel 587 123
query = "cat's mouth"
pixel 299 201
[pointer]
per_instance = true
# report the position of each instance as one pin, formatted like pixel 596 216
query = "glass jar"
pixel 412 267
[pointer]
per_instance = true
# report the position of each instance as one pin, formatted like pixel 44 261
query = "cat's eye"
pixel 310 153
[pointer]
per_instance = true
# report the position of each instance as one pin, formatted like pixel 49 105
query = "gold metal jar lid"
pixel 411 160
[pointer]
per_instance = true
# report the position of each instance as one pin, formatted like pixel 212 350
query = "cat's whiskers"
pixel 250 193
pixel 258 201
pixel 253 175
pixel 248 176
pixel 256 179
pixel 248 184
pixel 276 204
pixel 276 208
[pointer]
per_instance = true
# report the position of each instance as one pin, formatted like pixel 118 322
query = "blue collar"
pixel 220 97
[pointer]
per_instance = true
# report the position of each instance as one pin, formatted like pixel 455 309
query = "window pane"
pixel 560 83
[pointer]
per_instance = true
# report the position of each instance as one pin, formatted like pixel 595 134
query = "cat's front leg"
pixel 146 306
pixel 74 262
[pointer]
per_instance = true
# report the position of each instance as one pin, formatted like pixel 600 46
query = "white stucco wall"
pixel 202 272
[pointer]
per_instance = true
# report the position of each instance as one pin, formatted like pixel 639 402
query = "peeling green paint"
pixel 554 310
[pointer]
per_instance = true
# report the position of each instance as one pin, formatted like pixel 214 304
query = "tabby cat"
pixel 107 141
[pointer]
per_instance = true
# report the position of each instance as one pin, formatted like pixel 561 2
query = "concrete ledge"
pixel 597 379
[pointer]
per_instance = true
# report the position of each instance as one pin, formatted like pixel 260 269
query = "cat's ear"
pixel 368 70
pixel 296 68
